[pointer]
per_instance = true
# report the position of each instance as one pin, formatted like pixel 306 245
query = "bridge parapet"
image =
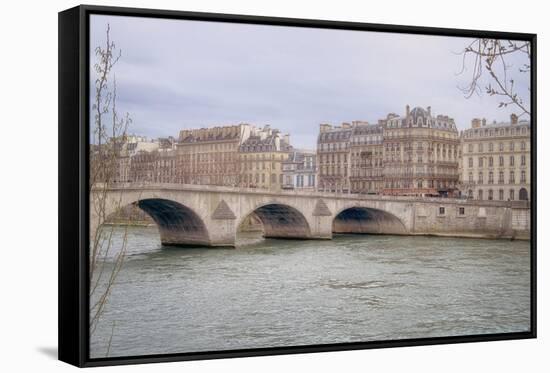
pixel 300 193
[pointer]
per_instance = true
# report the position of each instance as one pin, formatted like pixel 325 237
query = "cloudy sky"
pixel 176 74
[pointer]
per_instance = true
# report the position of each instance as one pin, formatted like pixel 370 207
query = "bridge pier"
pixel 321 227
pixel 223 233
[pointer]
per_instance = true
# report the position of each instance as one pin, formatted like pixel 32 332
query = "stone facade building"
pixel 142 166
pixel 260 159
pixel 496 160
pixel 209 156
pixel 129 146
pixel 366 154
pixel 416 154
pixel 300 170
pixel 333 157
pixel 165 163
pixel 421 153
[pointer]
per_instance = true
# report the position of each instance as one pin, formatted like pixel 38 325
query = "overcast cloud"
pixel 176 74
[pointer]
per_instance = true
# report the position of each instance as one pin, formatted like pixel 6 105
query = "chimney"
pixel 514 119
pixel 286 138
pixel 323 127
pixel 429 110
pixel 476 123
pixel 407 110
pixel 483 122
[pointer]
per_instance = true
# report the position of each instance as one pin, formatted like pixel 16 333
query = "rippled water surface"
pixel 288 293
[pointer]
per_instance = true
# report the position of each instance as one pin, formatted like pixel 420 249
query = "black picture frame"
pixel 73 180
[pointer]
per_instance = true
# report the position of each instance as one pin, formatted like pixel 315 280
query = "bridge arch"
pixel 365 220
pixel 280 220
pixel 178 224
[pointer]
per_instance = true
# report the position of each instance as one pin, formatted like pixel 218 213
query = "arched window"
pixel 523 195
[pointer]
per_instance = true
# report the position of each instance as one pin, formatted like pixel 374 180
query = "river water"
pixel 290 293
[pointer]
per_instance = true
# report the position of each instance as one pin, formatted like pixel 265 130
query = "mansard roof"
pixel 257 143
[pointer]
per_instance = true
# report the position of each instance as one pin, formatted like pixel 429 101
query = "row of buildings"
pixel 421 154
pixel 416 154
pixel 239 155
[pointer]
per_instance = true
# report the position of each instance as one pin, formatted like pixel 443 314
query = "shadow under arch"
pixel 367 220
pixel 178 224
pixel 280 221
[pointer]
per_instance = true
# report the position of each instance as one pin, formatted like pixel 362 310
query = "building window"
pixel 442 211
pixel 470 177
pixel 490 161
pixel 490 196
pixel 501 194
pixel 480 162
pixel 511 194
pixel 461 211
pixel 480 194
pixel 523 195
pixel 523 145
pixel 501 161
pixel 480 178
pixel 470 148
pixel 523 160
pixel 501 145
pixel 490 146
pixel 522 177
pixel 501 177
pixel 470 193
pixel 491 177
pixel 511 146
pixel 512 177
pixel 511 160
pixel 470 162
pixel 480 147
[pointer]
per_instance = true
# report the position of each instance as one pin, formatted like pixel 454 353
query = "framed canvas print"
pixel 238 185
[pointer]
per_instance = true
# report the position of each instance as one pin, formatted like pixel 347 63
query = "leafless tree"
pixel 491 57
pixel 108 134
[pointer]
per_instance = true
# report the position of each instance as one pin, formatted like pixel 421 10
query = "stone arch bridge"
pixel 211 215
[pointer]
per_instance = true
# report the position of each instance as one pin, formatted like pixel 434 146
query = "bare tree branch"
pixel 105 151
pixel 489 55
